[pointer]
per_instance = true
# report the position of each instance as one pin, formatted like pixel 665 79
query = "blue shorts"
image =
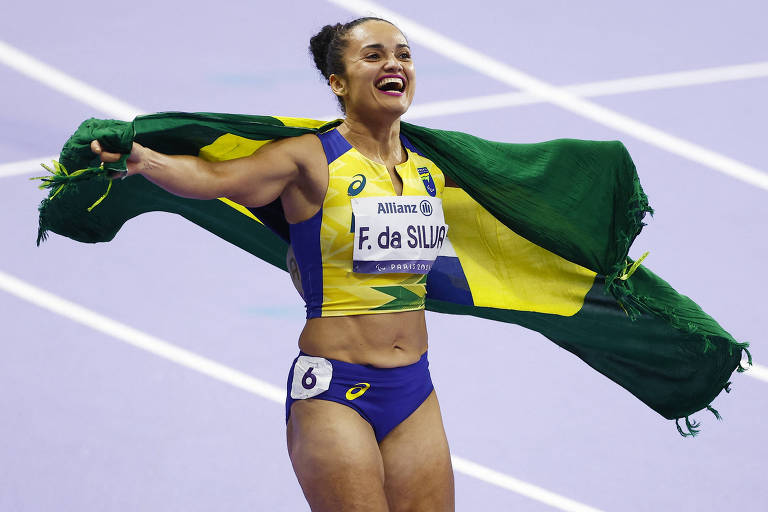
pixel 384 397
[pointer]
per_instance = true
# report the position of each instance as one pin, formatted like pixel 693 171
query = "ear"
pixel 338 85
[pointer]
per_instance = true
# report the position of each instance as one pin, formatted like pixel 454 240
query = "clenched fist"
pixel 135 163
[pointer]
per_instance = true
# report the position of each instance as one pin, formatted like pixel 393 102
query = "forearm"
pixel 185 176
pixel 256 180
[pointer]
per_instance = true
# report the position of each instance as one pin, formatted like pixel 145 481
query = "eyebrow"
pixel 380 46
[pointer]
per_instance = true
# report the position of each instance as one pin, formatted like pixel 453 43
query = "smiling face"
pixel 378 71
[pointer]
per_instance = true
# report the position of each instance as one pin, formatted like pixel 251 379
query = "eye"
pixel 405 55
pixel 372 56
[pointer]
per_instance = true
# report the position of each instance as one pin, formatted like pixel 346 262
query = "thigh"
pixel 335 457
pixel 417 463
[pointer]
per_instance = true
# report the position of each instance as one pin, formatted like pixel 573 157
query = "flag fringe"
pixel 636 305
pixel 62 182
pixel 714 411
pixel 618 284
pixel 692 427
pixel 616 280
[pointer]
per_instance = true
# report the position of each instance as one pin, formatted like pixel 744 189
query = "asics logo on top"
pixel 357 185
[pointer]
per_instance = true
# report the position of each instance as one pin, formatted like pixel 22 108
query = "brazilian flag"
pixel 539 237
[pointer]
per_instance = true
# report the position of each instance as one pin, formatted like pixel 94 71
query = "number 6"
pixel 309 376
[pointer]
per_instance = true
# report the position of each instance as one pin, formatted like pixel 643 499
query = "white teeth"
pixel 387 80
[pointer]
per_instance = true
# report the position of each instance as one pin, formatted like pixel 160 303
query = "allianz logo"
pixel 391 207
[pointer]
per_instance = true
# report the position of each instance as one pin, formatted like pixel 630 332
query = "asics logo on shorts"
pixel 357 390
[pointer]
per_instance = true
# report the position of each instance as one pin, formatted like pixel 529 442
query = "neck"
pixel 374 138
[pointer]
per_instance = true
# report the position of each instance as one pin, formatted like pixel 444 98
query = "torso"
pixel 384 340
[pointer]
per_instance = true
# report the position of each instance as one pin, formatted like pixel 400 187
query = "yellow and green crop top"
pixel 326 244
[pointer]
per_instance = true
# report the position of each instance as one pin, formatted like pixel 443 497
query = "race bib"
pixel 397 234
pixel 311 376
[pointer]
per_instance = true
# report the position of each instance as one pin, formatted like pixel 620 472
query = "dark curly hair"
pixel 327 48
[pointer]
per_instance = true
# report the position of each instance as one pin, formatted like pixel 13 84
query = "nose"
pixel 393 63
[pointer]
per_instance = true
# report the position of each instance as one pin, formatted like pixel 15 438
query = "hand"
pixel 134 163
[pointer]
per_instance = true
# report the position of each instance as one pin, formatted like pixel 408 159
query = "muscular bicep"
pixel 259 179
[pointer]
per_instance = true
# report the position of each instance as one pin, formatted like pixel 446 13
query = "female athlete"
pixel 363 422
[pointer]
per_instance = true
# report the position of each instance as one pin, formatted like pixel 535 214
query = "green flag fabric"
pixel 539 236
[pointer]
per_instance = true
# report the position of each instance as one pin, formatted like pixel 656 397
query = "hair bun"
pixel 328 45
pixel 319 45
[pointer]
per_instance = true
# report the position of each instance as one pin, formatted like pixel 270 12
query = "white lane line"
pixel 26 166
pixel 139 339
pixel 594 89
pixel 473 104
pixel 672 80
pixel 757 371
pixel 558 96
pixel 52 77
pixel 222 373
pixel 518 486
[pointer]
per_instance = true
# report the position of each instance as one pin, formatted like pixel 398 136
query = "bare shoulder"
pixel 303 149
pixel 308 154
pixel 303 196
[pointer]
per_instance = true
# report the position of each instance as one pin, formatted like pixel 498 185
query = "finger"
pixel 106 156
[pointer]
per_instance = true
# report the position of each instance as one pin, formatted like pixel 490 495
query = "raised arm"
pixel 256 180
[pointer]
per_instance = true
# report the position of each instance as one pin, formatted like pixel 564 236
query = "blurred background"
pixel 113 400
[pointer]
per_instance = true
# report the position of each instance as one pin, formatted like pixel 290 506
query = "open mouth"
pixel 393 85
